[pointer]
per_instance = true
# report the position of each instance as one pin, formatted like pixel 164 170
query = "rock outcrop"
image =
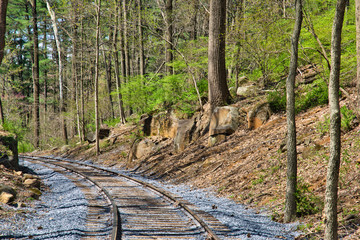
pixel 164 125
pixel 224 121
pixel 258 115
pixel 9 150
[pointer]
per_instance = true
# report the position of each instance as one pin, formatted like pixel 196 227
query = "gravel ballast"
pixel 61 212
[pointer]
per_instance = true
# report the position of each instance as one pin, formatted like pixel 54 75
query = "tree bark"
pixel 357 17
pixel 108 82
pixel 332 178
pixel 290 204
pixel 116 62
pixel 97 125
pixel 61 92
pixel 218 90
pixel 3 8
pixel 169 36
pixel 35 75
pixel 141 44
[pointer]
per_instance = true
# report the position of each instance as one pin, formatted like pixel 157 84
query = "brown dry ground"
pixel 250 167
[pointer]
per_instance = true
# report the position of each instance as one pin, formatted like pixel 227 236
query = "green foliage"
pixel 347 116
pixel 112 122
pixel 24 146
pixel 310 96
pixel 323 126
pixel 306 202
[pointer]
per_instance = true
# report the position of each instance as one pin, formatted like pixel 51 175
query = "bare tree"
pixel 60 67
pixel 97 44
pixel 332 178
pixel 290 204
pixel 3 8
pixel 218 90
pixel 35 75
pixel 357 17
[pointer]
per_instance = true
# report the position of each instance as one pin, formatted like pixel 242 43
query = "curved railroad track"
pixel 139 209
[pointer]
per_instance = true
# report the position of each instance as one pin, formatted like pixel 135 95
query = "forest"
pixel 148 62
pixel 71 66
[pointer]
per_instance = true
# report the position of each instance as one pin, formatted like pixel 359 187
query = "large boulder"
pixel 184 133
pixel 258 115
pixel 7 194
pixel 9 150
pixel 103 133
pixel 246 91
pixel 164 125
pixel 141 148
pixel 224 121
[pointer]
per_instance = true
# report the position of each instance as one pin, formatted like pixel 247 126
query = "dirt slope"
pixel 250 167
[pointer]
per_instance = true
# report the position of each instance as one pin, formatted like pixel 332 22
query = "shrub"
pixel 306 202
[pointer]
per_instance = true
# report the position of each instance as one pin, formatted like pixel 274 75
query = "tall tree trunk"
pixel 108 82
pixel 290 204
pixel 97 125
pixel 357 17
pixel 116 60
pixel 332 178
pixel 82 100
pixel 61 92
pixel 125 40
pixel 35 75
pixel 169 36
pixel 141 39
pixel 218 90
pixel 3 8
pixel 45 75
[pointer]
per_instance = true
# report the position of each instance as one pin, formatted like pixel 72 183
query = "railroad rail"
pixel 145 211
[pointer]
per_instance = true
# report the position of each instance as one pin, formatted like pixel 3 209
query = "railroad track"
pixel 139 209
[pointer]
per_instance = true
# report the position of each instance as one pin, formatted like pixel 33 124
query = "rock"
pixel 29 176
pixel 164 125
pixel 145 123
pixel 32 182
pixel 65 148
pixel 184 133
pixel 224 121
pixel 103 133
pixel 6 197
pixel 142 148
pixel 9 149
pixel 258 115
pixel 18 173
pixel 7 194
pixel 246 91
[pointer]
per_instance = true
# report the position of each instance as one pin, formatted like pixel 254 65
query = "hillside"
pixel 249 166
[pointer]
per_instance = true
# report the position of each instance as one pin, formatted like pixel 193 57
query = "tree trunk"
pixel 290 204
pixel 82 100
pixel 35 75
pixel 116 59
pixel 61 93
pixel 3 8
pixel 169 36
pixel 218 90
pixel 97 125
pixel 108 82
pixel 141 44
pixel 45 74
pixel 332 178
pixel 357 17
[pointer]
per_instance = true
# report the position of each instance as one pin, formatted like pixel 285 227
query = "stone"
pixel 224 121
pixel 7 194
pixel 246 91
pixel 184 134
pixel 142 148
pixel 32 182
pixel 28 176
pixel 6 197
pixel 9 149
pixel 103 133
pixel 164 125
pixel 258 115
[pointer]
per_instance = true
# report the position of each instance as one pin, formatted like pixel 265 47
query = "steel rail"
pixel 115 231
pixel 208 230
